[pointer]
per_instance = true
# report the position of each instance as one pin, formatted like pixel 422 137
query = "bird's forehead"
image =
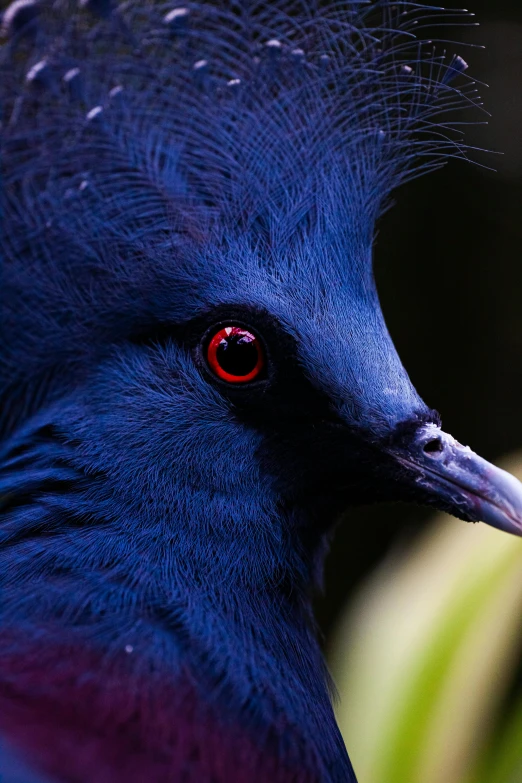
pixel 333 314
pixel 310 274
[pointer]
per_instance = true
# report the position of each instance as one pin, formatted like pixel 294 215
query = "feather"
pixel 265 125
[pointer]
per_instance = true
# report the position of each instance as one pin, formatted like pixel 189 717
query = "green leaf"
pixel 426 652
pixel 504 764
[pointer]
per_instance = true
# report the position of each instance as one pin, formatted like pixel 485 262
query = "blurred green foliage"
pixel 425 654
pixel 505 763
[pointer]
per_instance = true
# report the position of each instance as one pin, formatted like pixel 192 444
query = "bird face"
pixel 339 419
pixel 265 409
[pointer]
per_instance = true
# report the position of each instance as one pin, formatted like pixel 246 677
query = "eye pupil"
pixel 235 354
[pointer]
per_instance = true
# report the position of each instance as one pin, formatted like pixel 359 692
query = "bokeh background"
pixel 449 269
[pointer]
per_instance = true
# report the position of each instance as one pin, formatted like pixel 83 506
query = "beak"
pixel 453 478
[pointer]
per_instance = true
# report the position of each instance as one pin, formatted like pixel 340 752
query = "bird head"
pixel 254 412
pixel 198 284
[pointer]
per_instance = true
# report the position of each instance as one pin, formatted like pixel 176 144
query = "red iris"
pixel 235 355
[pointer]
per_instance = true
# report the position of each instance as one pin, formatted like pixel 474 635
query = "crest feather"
pixel 139 133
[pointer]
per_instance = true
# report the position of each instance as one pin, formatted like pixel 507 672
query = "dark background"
pixel 449 269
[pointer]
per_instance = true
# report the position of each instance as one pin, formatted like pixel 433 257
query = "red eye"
pixel 235 354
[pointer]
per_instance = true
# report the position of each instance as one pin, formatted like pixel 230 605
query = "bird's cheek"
pixel 438 471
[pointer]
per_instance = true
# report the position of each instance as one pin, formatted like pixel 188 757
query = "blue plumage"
pixel 169 171
pixel 265 133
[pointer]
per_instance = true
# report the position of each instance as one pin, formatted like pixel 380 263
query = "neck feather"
pixel 151 664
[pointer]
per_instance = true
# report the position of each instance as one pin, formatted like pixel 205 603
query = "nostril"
pixel 433 446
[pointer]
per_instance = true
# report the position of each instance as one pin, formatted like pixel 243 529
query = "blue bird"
pixel 196 377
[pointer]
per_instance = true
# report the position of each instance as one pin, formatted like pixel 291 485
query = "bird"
pixel 196 377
